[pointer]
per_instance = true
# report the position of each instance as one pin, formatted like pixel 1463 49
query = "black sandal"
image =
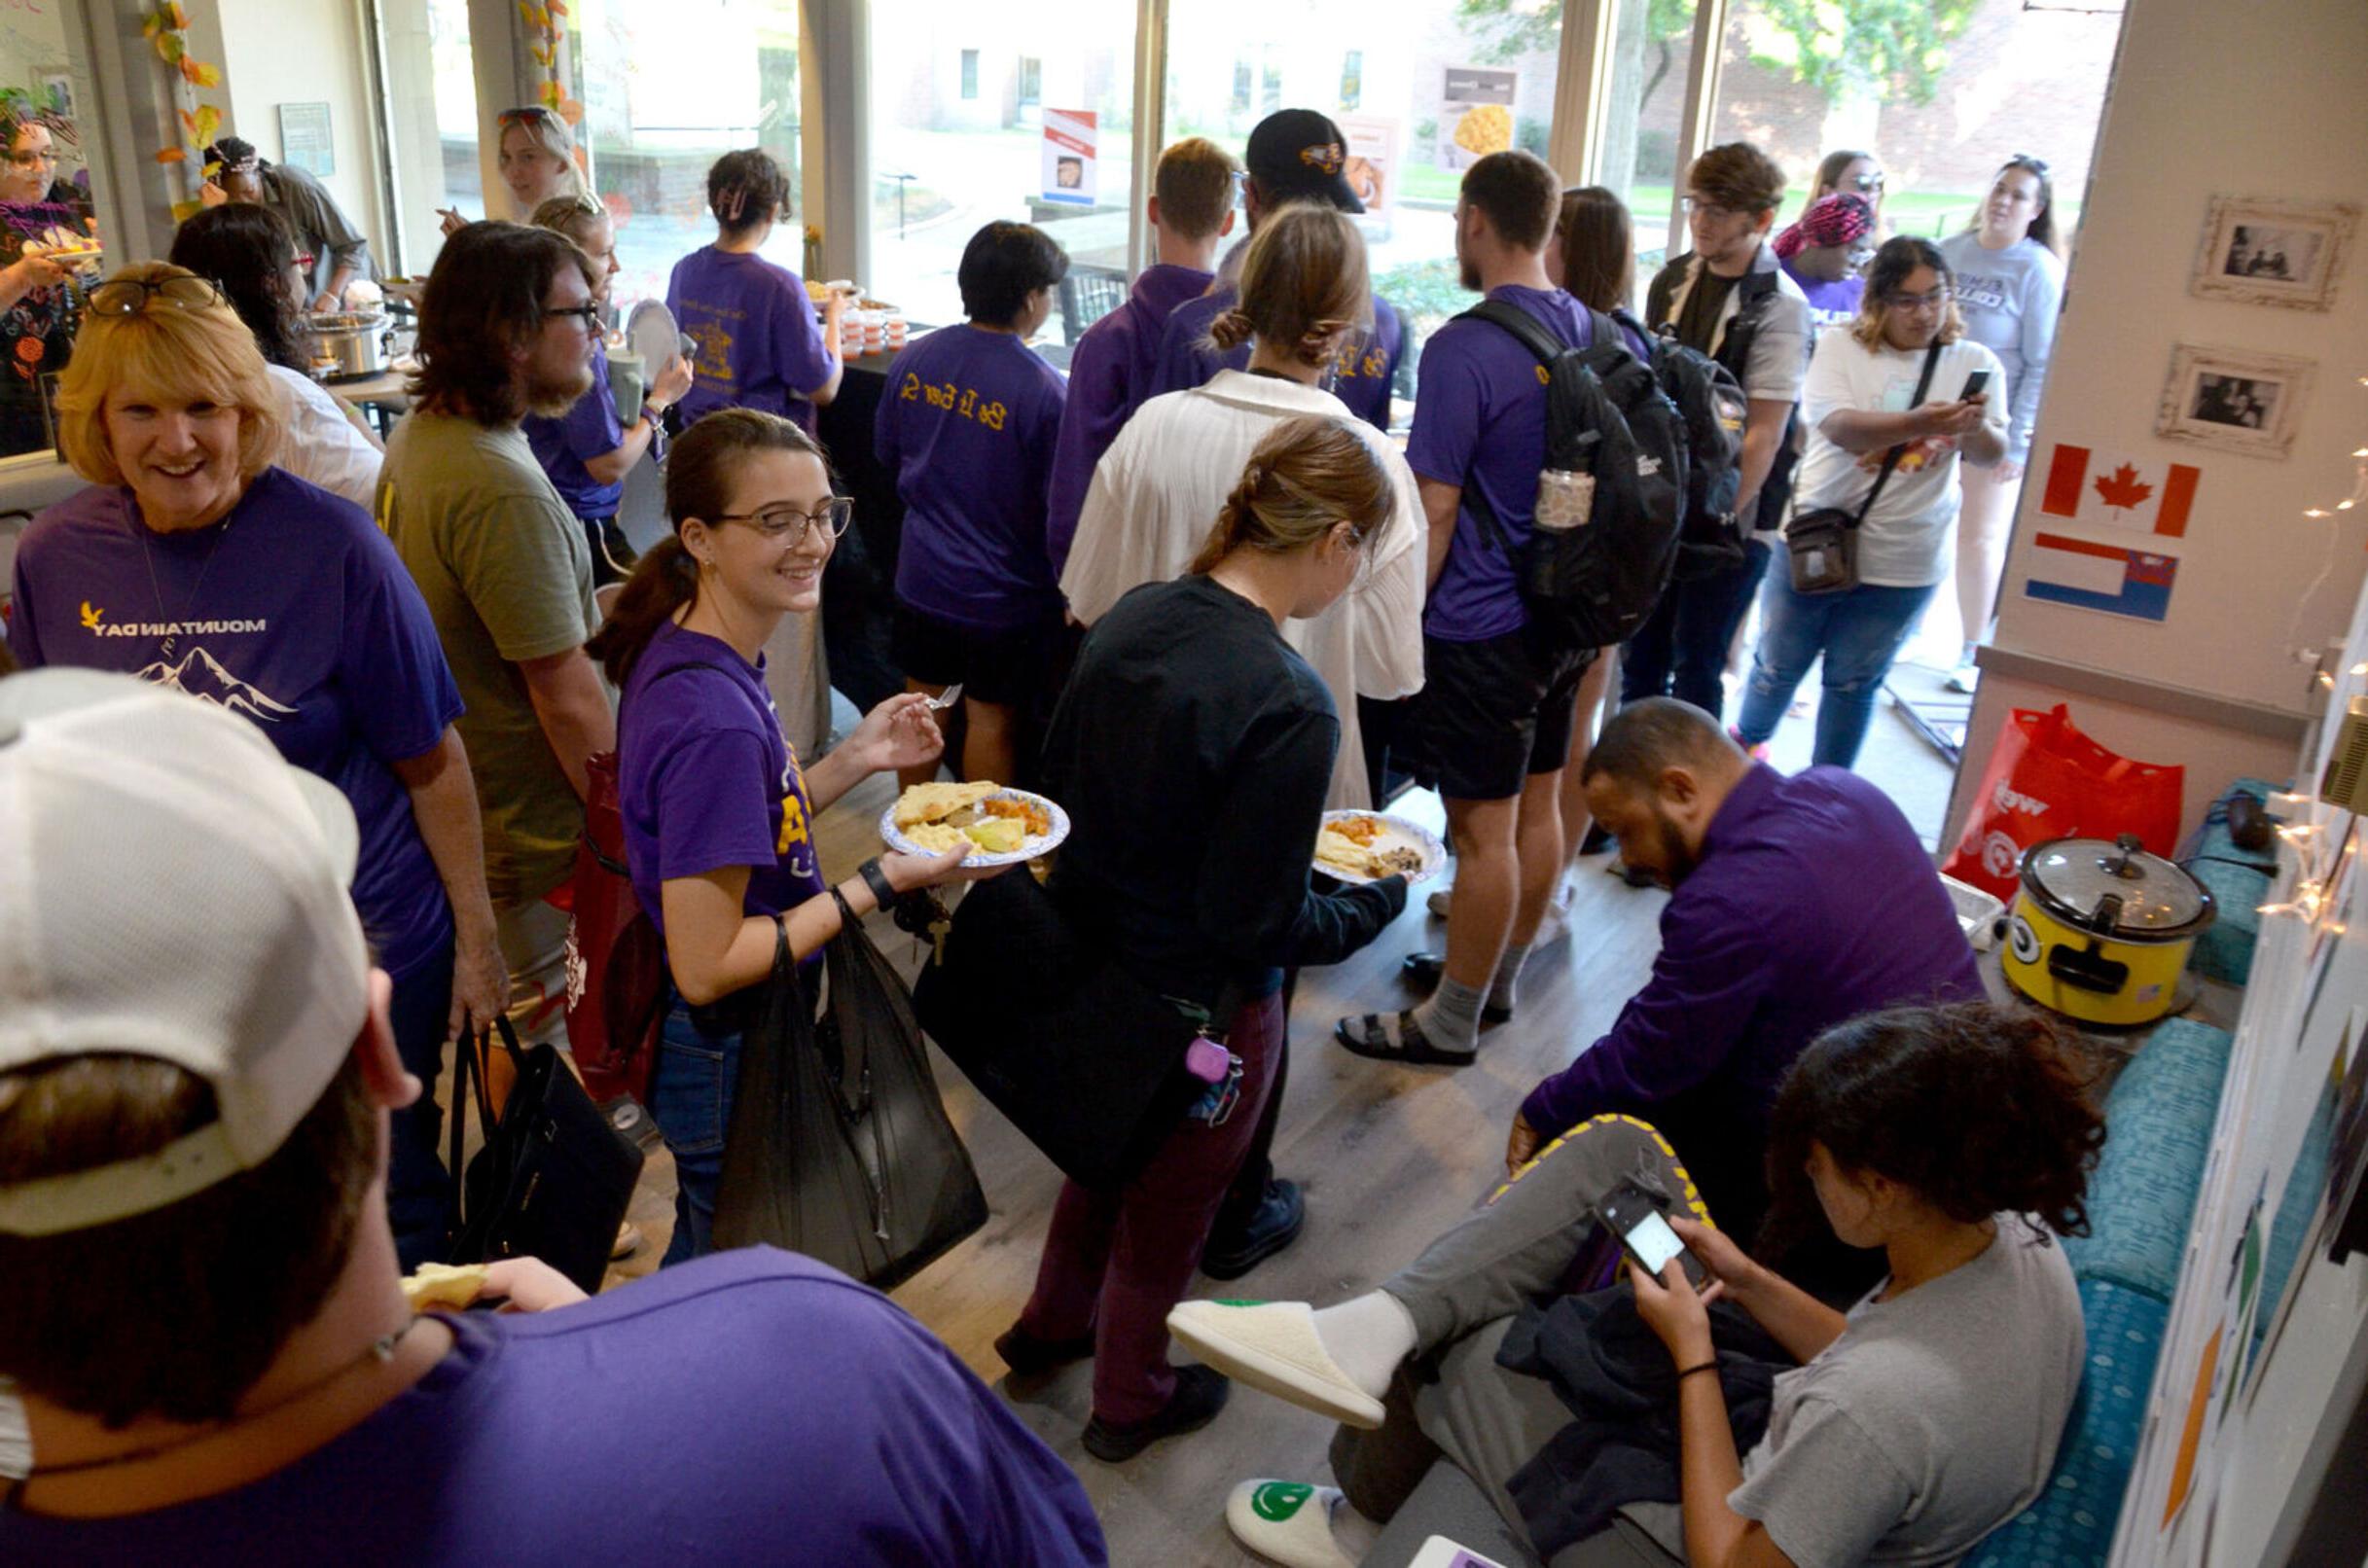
pixel 1397 1038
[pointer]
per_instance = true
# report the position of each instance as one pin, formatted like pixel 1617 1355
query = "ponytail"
pixel 1303 283
pixel 1310 475
pixel 663 580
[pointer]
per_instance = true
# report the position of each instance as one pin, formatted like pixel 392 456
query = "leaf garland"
pixel 166 28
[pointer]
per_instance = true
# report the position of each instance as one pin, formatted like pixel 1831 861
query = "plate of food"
pixel 1004 827
pixel 1365 846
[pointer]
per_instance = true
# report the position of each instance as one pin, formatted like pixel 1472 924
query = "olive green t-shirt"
pixel 507 574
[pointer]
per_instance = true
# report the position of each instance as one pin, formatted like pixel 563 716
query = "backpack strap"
pixel 1546 348
pixel 1890 459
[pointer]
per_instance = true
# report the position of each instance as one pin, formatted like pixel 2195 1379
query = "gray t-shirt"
pixel 1932 1422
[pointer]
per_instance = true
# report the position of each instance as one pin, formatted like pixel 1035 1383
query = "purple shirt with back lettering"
pixel 293 612
pixel 1110 376
pixel 760 343
pixel 968 424
pixel 706 780
pixel 1480 419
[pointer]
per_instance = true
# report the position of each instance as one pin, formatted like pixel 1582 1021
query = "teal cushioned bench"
pixel 2159 1120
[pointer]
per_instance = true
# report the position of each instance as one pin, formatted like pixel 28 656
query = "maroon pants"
pixel 1116 1261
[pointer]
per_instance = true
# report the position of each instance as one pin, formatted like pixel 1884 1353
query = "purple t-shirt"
pixel 1361 373
pixel 760 343
pixel 590 429
pixel 1832 302
pixel 967 425
pixel 293 612
pixel 1480 419
pixel 749 1407
pixel 1110 372
pixel 705 778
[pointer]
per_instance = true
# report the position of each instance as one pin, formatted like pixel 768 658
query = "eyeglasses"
pixel 31 160
pixel 786 525
pixel 303 261
pixel 1932 299
pixel 1867 182
pixel 588 315
pixel 129 296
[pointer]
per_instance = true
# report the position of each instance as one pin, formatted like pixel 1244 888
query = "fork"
pixel 954 694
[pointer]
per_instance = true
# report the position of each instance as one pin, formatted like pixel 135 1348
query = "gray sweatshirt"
pixel 2010 299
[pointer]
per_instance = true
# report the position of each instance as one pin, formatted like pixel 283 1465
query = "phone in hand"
pixel 1975 385
pixel 1635 1216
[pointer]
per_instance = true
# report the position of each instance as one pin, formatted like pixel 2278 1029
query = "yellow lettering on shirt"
pixel 793 824
pixel 992 415
pixel 911 391
pixel 962 401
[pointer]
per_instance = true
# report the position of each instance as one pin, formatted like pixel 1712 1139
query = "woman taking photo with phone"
pixel 1189 714
pixel 1930 1421
pixel 718 813
pixel 1861 401
pixel 2009 287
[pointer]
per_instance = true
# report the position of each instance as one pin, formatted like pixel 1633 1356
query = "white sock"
pixel 1366 1336
pixel 1352 1532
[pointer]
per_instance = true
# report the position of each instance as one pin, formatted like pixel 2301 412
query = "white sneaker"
pixel 1286 1522
pixel 1964 678
pixel 1437 901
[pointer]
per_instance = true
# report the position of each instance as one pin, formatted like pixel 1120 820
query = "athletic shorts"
pixel 1007 668
pixel 1493 712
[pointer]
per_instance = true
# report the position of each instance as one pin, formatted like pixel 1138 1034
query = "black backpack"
pixel 1606 417
pixel 1710 408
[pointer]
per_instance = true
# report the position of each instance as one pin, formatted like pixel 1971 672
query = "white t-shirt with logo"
pixel 1904 541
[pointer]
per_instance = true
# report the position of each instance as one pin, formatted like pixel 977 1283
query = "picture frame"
pixel 2256 251
pixel 2234 400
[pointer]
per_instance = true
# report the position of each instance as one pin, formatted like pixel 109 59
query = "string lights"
pixel 2331 515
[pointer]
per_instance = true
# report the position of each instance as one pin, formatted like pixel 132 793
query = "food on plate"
pixel 1485 129
pixel 1360 847
pixel 1036 818
pixel 998 835
pixel 433 1285
pixel 1359 829
pixel 1341 852
pixel 936 838
pixel 937 801
pixel 1403 861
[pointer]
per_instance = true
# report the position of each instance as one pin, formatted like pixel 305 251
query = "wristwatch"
pixel 876 877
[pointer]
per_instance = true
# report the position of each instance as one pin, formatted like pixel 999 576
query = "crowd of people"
pixel 299 751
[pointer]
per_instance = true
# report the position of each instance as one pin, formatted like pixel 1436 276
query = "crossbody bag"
pixel 1822 543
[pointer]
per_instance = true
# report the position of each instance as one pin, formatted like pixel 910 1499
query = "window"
pixel 662 101
pixel 1642 122
pixel 1421 73
pixel 970 74
pixel 943 164
pixel 430 125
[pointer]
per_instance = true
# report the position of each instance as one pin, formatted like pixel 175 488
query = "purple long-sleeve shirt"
pixel 1813 903
pixel 1110 372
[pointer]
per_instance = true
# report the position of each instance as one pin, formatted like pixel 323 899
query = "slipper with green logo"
pixel 1286 1522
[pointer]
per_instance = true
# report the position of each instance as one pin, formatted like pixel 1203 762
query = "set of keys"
pixel 922 913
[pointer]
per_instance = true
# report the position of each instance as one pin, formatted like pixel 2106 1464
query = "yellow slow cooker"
pixel 2100 932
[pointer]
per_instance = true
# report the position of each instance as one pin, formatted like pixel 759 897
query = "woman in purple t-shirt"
pixel 760 345
pixel 718 814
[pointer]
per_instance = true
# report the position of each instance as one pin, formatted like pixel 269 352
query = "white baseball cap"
pixel 168 888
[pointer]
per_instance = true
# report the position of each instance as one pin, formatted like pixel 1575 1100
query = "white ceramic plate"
pixel 1397 832
pixel 1030 848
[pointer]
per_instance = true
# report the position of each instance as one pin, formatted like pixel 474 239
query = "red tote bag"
pixel 616 963
pixel 2048 780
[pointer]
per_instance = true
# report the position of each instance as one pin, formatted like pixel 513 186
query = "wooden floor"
pixel 1388 1157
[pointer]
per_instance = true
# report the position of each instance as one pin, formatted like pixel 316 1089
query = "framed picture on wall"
pixel 2234 398
pixel 2273 252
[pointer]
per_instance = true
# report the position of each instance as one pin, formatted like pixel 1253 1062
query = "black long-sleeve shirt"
pixel 1191 750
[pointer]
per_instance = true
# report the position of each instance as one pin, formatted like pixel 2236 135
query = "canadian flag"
pixel 2119 492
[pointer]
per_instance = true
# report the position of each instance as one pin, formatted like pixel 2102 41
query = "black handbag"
pixel 554 1179
pixel 1821 545
pixel 839 1147
pixel 1085 1060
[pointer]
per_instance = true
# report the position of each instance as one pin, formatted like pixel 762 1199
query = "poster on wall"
pixel 1475 114
pixel 2108 577
pixel 1372 170
pixel 304 137
pixel 2107 490
pixel 1071 143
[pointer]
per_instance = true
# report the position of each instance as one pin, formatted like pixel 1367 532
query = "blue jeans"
pixel 690 1086
pixel 1859 631
pixel 418 1189
pixel 1681 649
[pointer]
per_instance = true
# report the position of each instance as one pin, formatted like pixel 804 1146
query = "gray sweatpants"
pixel 1451 1398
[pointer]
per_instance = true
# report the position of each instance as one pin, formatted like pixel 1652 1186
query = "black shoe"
pixel 1029 1356
pixel 1272 1225
pixel 1200 1393
pixel 1421 970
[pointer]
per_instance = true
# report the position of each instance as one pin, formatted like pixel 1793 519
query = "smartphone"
pixel 1974 386
pixel 1635 1216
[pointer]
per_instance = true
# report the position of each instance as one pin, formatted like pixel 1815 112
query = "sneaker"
pixel 1437 902
pixel 1031 1357
pixel 1200 1393
pixel 627 1242
pixel 1964 678
pixel 1276 1223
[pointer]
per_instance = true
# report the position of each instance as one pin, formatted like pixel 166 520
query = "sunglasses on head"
pixel 129 296
pixel 531 115
pixel 2037 165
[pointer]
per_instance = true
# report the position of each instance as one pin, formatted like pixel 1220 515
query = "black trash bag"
pixel 839 1147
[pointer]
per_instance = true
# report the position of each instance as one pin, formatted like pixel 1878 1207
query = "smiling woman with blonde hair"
pixel 195 562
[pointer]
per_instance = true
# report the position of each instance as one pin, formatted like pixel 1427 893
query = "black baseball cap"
pixel 1298 152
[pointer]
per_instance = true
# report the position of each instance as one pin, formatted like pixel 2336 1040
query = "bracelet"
pixel 1707 1366
pixel 875 879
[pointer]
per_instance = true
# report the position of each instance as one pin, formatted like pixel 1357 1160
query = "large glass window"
pixel 1642 123
pixel 663 100
pixel 431 117
pixel 1045 140
pixel 1427 90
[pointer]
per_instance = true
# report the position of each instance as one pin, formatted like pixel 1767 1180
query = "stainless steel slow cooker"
pixel 347 344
